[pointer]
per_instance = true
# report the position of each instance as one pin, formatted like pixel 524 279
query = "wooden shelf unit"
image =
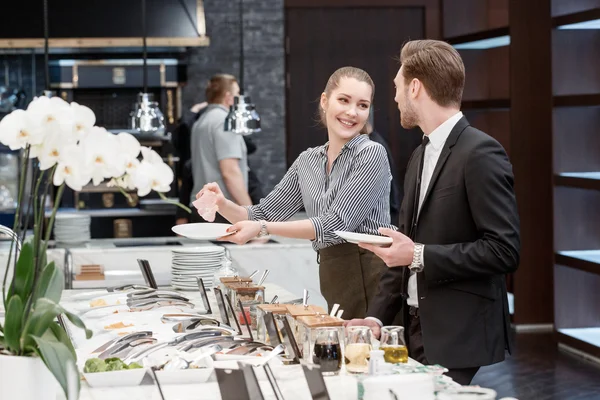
pixel 576 156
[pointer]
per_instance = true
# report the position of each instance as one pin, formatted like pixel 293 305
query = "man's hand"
pixel 375 328
pixel 399 254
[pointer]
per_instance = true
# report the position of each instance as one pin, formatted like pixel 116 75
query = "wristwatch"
pixel 263 228
pixel 417 264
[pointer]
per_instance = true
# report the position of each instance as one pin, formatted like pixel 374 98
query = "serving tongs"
pixel 124 349
pixel 151 304
pixel 153 293
pixel 225 342
pixel 124 339
pixel 189 322
pixel 177 340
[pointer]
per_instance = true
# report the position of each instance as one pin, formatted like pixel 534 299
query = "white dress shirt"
pixel 437 139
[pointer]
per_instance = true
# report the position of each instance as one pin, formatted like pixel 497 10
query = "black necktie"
pixel 413 224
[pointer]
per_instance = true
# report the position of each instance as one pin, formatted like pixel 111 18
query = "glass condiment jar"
pixel 226 270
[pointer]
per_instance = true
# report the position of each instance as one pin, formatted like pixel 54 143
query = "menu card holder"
pixel 246 322
pixel 273 382
pixel 204 296
pixel 316 383
pixel 221 305
pixel 239 328
pixel 238 384
pixel 272 330
pixel 147 273
pixel 289 340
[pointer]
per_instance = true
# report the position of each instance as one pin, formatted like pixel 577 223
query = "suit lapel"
pixel 446 150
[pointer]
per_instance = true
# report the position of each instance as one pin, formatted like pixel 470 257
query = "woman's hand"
pixel 244 231
pixel 216 190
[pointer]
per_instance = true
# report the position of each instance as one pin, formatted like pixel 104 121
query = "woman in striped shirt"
pixel 343 185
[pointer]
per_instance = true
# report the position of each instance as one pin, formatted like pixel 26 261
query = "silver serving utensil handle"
pixel 274 299
pixel 252 274
pixel 305 298
pixel 159 304
pixel 125 348
pixel 126 338
pixel 263 277
pixel 127 287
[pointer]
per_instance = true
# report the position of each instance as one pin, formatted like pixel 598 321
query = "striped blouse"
pixel 353 197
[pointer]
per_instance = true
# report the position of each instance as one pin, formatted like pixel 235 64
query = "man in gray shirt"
pixel 217 155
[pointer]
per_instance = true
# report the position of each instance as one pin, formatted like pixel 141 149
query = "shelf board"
pixel 478 36
pixel 588 19
pixel 586 340
pixel 576 100
pixel 483 104
pixel 582 180
pixel 584 260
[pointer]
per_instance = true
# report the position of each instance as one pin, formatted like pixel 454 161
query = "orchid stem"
pixel 178 204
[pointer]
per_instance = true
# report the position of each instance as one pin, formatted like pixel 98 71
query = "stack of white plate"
pixel 72 228
pixel 192 262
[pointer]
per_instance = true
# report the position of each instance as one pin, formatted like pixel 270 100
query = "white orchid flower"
pixel 152 176
pixel 49 152
pixel 71 168
pixel 100 150
pixel 151 156
pixel 129 149
pixel 48 115
pixel 124 182
pixel 83 120
pixel 17 132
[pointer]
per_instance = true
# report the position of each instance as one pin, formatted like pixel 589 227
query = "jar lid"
pixel 316 321
pixel 296 310
pixel 274 308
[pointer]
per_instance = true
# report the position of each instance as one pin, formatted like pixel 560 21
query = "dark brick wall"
pixel 264 72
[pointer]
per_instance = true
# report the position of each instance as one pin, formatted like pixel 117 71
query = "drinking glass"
pixel 393 345
pixel 327 351
pixel 358 348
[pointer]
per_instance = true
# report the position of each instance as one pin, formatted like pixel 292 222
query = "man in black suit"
pixel 459 225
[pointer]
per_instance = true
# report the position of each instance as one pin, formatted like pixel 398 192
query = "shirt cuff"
pixel 376 320
pixel 250 213
pixel 318 225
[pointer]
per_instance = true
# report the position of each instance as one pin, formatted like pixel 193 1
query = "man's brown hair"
pixel 218 86
pixel 438 66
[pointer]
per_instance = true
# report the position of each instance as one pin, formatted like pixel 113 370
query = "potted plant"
pixel 67 149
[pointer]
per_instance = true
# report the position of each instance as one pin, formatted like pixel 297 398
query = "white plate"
pixel 202 249
pixel 354 237
pixel 128 377
pixel 202 231
pixel 184 376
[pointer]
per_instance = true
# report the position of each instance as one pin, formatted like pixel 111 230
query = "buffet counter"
pixel 290 378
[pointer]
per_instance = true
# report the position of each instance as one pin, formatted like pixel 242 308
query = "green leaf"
pixel 60 335
pixel 23 277
pixel 75 320
pixel 59 360
pixel 13 323
pixel 45 310
pixel 51 284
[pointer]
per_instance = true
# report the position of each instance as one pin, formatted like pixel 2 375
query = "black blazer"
pixel 469 225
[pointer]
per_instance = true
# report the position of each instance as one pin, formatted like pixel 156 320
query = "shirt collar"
pixel 217 105
pixel 438 137
pixel 349 145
